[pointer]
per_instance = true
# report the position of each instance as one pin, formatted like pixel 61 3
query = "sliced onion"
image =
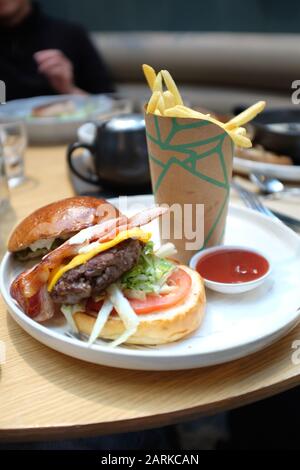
pixel 166 289
pixel 102 318
pixel 135 294
pixel 68 311
pixel 123 338
pixel 126 313
pixel 166 250
pixel 40 244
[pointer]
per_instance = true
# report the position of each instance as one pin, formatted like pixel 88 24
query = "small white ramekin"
pixel 229 288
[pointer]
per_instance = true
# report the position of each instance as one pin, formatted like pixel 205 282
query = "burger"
pixel 51 225
pixel 110 282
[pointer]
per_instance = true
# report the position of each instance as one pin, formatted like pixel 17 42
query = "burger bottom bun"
pixel 164 326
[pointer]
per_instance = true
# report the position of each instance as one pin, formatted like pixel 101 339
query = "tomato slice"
pixel 93 305
pixel 153 303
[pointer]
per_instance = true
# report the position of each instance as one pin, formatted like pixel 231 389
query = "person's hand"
pixel 57 68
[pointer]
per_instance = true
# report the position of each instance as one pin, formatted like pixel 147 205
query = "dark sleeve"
pixel 90 71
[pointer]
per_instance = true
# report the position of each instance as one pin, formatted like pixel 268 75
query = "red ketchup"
pixel 232 266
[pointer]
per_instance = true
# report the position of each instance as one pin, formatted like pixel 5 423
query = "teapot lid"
pixel 126 123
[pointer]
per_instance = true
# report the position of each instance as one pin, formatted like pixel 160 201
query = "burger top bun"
pixel 60 219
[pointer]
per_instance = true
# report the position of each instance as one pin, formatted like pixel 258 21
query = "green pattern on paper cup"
pixel 197 148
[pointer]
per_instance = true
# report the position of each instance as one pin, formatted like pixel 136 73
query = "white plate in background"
pixel 282 172
pixel 56 130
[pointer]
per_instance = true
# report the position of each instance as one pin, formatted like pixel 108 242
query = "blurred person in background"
pixel 41 55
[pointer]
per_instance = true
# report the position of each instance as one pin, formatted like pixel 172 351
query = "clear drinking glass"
pixel 7 215
pixel 4 191
pixel 13 139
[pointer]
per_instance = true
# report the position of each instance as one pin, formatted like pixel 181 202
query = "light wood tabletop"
pixel 47 395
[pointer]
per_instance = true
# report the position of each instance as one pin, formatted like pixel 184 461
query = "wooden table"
pixel 46 395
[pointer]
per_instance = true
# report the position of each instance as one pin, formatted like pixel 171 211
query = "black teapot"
pixel 119 152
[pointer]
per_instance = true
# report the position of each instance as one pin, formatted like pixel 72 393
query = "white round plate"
pixel 233 327
pixel 283 172
pixel 55 130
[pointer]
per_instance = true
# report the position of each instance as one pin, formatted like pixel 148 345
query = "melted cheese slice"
pixel 82 258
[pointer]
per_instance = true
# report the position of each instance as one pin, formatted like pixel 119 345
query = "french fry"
pixel 194 113
pixel 169 103
pixel 237 135
pixel 157 86
pixel 177 111
pixel 184 111
pixel 171 85
pixel 188 112
pixel 150 75
pixel 169 99
pixel 240 140
pixel 152 104
pixel 161 104
pixel 246 116
pixel 239 130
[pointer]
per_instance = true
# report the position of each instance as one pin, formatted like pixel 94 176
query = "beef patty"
pixel 97 274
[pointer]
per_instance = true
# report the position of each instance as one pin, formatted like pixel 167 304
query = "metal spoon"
pixel 273 186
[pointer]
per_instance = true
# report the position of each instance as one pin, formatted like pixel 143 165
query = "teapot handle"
pixel 72 147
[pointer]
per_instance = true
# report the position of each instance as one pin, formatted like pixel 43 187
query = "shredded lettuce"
pixel 149 274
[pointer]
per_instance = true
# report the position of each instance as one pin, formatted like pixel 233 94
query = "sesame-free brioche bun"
pixel 164 326
pixel 60 219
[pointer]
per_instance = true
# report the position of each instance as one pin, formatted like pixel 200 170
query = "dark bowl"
pixel 278 130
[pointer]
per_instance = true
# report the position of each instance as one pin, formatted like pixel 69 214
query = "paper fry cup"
pixel 191 167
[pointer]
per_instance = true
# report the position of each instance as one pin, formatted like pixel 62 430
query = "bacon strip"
pixel 29 288
pixel 39 306
pixel 137 220
pixel 95 232
pixel 146 216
